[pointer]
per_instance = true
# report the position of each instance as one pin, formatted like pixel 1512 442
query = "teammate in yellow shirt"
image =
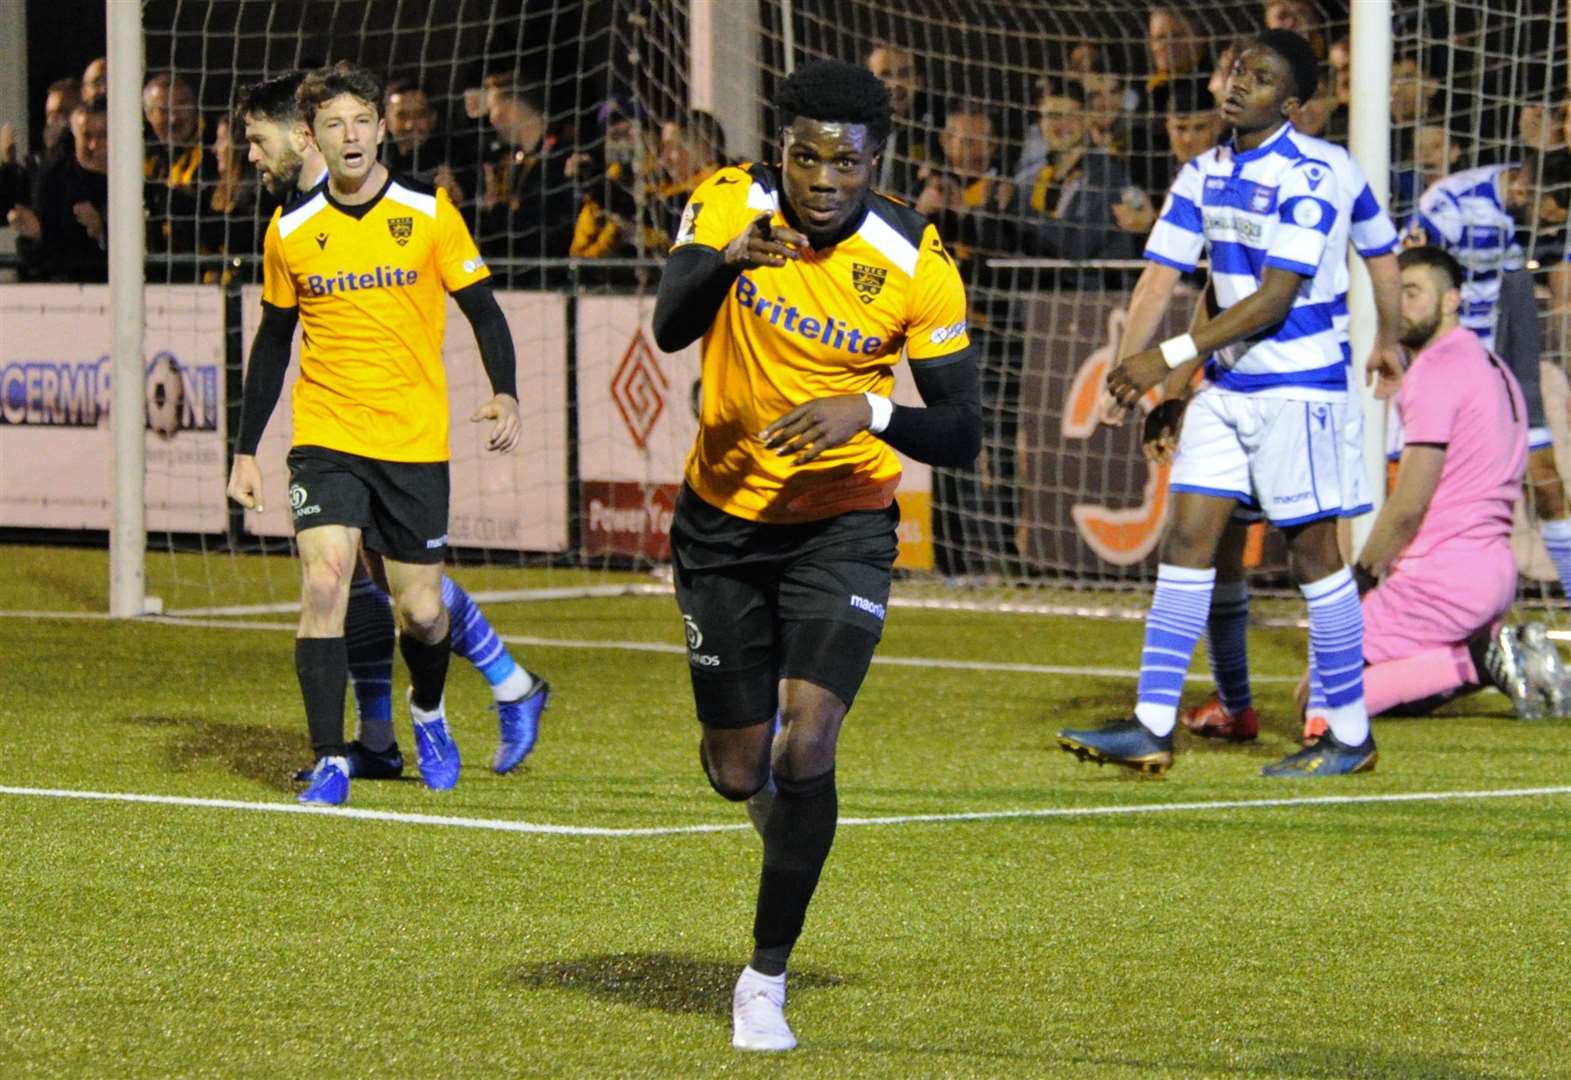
pixel 806 287
pixel 289 165
pixel 365 265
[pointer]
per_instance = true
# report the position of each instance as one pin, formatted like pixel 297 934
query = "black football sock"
pixel 798 834
pixel 427 668
pixel 322 665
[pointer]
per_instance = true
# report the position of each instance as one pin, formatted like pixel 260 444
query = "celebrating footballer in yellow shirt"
pixel 807 288
pixel 364 265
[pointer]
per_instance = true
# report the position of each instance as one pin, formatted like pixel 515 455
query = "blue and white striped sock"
pixel 1317 692
pixel 1557 540
pixel 1175 622
pixel 1336 634
pixel 476 641
pixel 368 639
pixel 1227 643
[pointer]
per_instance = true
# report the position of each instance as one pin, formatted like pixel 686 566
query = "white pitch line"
pixel 492 824
pixel 497 825
pixel 678 650
pixel 1223 804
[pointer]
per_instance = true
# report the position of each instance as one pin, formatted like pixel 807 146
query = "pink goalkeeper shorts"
pixel 1440 599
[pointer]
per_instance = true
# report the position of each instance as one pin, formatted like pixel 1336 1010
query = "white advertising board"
pixel 56 464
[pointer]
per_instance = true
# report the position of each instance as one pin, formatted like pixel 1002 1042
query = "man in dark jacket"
pixel 527 203
pixel 63 234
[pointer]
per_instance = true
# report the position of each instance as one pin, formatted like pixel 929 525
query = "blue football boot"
pixel 437 754
pixel 520 725
pixel 1327 757
pixel 1123 742
pixel 329 783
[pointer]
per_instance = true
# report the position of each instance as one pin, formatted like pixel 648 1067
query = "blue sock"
pixel 476 641
pixel 1227 644
pixel 1557 540
pixel 368 636
pixel 1336 634
pixel 1176 619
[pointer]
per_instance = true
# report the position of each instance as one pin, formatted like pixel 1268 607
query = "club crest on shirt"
pixel 1260 201
pixel 868 281
pixel 401 228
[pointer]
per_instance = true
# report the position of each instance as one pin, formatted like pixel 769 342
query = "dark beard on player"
pixel 1418 335
pixel 282 182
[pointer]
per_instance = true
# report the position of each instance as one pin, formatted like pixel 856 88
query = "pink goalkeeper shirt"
pixel 1457 394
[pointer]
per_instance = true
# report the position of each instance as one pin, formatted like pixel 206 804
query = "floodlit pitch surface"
pixel 1409 937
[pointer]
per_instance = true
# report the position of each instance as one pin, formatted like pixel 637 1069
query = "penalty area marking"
pixel 499 825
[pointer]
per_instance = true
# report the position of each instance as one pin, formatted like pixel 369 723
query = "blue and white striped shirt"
pixel 1281 205
pixel 1464 214
pixel 1372 232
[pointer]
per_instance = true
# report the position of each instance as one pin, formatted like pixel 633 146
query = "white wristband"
pixel 1179 350
pixel 883 410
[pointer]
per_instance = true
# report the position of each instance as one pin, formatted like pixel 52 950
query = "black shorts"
pixel 400 506
pixel 762 602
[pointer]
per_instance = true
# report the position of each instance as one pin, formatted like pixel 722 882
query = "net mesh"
pixel 1481 84
pixel 1040 136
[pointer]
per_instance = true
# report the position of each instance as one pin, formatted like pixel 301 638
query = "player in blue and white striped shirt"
pixel 1229 714
pixel 1269 425
pixel 1466 214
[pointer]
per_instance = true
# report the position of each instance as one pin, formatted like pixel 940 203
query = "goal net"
pixel 1041 136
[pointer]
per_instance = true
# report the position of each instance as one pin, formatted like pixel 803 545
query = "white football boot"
pixel 758 1013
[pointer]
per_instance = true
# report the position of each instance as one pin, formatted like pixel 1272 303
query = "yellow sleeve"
pixel 457 258
pixel 717 210
pixel 937 325
pixel 278 284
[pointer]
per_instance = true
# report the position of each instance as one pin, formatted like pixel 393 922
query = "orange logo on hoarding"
pixel 638 388
pixel 1124 536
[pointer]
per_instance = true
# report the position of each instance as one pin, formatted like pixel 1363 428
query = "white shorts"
pixel 1295 461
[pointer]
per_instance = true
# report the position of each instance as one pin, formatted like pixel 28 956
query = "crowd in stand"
pixel 1082 181
pixel 528 191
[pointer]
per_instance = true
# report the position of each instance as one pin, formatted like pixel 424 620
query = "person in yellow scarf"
pixel 178 169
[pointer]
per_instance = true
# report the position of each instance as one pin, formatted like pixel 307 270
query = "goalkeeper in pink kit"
pixel 1440 549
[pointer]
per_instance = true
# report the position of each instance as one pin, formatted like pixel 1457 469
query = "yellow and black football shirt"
pixel 832 322
pixel 371 282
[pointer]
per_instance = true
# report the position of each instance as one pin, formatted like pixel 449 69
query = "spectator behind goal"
pixel 692 149
pixel 618 174
pixel 1065 207
pixel 909 148
pixel 526 204
pixel 18 166
pixel 63 234
pixel 415 147
pixel 178 170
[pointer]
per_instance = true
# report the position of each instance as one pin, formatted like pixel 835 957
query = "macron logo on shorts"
pixel 440 541
pixel 861 603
